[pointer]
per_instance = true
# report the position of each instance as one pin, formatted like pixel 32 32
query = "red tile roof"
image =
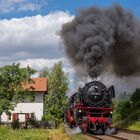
pixel 39 84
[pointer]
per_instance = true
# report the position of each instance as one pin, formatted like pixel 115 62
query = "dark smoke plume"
pixel 103 40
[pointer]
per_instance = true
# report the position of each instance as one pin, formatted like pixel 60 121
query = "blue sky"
pixel 21 8
pixel 29 30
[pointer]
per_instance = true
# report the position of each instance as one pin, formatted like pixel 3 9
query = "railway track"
pixel 123 134
pixel 105 137
pixel 93 136
pixel 128 131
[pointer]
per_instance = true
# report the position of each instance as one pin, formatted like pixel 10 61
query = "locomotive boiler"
pixel 90 108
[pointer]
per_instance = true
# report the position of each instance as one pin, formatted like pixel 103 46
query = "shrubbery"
pixel 127 112
pixel 15 124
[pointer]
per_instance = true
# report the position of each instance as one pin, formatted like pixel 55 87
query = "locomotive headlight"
pixel 80 111
pixel 111 112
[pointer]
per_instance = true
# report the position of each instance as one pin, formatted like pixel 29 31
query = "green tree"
pixel 127 111
pixel 135 99
pixel 44 73
pixel 135 96
pixel 123 108
pixel 56 100
pixel 12 78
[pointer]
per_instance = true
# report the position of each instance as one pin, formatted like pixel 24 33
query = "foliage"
pixel 33 122
pixel 122 109
pixel 18 134
pixel 33 134
pixel 12 78
pixel 135 115
pixel 135 96
pixel 15 124
pixel 55 103
pixel 44 73
pixel 135 99
pixel 37 134
pixel 126 112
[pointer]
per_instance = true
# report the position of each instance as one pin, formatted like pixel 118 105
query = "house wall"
pixel 35 107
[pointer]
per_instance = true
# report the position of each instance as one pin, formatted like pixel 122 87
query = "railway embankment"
pixel 126 113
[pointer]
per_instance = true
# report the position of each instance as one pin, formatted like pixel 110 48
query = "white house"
pixel 24 110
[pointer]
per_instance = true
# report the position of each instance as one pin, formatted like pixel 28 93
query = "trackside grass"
pixel 36 134
pixel 135 126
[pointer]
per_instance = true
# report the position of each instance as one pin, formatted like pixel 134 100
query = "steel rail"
pixel 100 137
pixel 93 136
pixel 116 137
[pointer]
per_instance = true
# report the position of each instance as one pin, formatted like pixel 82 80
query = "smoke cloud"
pixel 103 40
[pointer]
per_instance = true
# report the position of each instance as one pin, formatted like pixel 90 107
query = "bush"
pixel 135 96
pixel 33 122
pixel 121 110
pixel 134 115
pixel 15 124
pixel 127 112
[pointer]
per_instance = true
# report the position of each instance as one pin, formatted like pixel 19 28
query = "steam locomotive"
pixel 91 108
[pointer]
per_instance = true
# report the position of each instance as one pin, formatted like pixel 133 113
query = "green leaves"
pixel 136 96
pixel 12 78
pixel 55 103
pixel 128 110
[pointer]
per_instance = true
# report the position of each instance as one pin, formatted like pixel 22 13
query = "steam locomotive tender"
pixel 91 108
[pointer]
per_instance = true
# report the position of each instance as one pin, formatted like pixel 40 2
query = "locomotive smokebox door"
pixel 112 91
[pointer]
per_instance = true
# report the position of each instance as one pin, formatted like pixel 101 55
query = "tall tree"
pixel 12 78
pixel 44 73
pixel 135 99
pixel 56 100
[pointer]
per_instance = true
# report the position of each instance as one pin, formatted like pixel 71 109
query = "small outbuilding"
pixel 27 109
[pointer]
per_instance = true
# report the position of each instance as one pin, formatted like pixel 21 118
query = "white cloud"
pixel 39 64
pixel 7 6
pixel 32 37
pixel 33 41
pixel 29 7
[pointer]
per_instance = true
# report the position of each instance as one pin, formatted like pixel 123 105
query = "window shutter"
pixel 26 116
pixel 15 116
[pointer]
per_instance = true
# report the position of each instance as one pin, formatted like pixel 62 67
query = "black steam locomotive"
pixel 91 108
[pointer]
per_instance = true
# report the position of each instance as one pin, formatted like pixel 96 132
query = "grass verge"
pixel 36 134
pixel 135 126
